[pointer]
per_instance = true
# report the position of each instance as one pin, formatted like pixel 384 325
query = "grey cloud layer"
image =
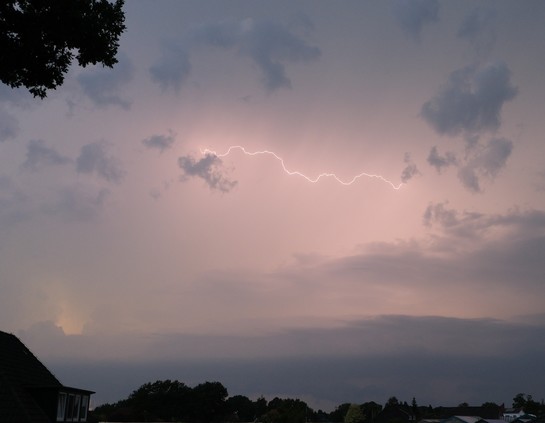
pixel 268 44
pixel 364 359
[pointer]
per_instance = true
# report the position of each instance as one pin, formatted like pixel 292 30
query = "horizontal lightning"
pixel 295 172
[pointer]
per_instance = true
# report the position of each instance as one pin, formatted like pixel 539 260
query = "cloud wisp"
pixel 39 155
pixel 209 168
pixel 441 162
pixel 9 126
pixel 477 27
pixel 173 69
pixel 485 162
pixel 160 142
pixel 413 15
pixel 410 169
pixel 102 86
pixel 93 159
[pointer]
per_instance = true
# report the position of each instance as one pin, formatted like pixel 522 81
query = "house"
pixel 29 393
pixel 464 419
pixel 395 414
pixel 511 414
pixel 487 413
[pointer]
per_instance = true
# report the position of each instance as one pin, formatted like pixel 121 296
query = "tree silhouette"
pixel 40 38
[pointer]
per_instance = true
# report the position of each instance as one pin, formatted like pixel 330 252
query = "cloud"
pixel 93 159
pixel 477 28
pixel 172 70
pixel 412 15
pixel 39 155
pixel 486 162
pixel 453 223
pixel 410 170
pixel 160 142
pixel 209 168
pixel 511 227
pixel 268 44
pixel 102 85
pixel 364 359
pixel 13 203
pixel 471 101
pixel 77 203
pixel 440 162
pixel 9 126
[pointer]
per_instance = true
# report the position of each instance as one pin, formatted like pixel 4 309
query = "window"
pixel 61 406
pixel 83 408
pixel 75 410
pixel 69 407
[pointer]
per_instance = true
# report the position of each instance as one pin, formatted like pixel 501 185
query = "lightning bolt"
pixel 295 172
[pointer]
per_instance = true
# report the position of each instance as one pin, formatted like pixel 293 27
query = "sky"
pixel 330 201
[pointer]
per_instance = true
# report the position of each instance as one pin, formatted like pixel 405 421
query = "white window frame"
pixel 61 406
pixel 75 408
pixel 84 406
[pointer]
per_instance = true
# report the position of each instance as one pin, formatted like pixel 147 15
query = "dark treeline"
pixel 209 402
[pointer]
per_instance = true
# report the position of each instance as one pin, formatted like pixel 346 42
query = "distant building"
pixel 395 414
pixel 511 414
pixel 486 413
pixel 464 419
pixel 29 393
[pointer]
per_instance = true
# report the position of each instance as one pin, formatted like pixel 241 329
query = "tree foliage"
pixel 208 402
pixel 40 38
pixel 354 414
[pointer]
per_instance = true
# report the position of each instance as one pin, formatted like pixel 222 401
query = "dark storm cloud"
pixel 440 162
pixel 471 101
pixel 477 28
pixel 410 169
pixel 412 15
pixel 486 162
pixel 160 142
pixel 373 359
pixel 209 169
pixel 94 159
pixel 9 126
pixel 102 85
pixel 39 155
pixel 268 44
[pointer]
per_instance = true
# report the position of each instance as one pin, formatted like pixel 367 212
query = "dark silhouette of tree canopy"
pixel 40 38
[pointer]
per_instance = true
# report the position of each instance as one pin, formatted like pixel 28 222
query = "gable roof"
pixel 20 366
pixel 21 373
